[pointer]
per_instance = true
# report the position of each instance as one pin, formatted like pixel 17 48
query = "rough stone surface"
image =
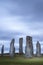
pixel 21 45
pixel 29 47
pixel 2 50
pixel 38 49
pixel 12 48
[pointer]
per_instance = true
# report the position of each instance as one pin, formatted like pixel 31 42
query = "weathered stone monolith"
pixel 20 45
pixel 38 49
pixel 12 48
pixel 2 50
pixel 29 47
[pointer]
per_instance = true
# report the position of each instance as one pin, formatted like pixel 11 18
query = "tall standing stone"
pixel 20 45
pixel 12 48
pixel 2 50
pixel 29 47
pixel 38 49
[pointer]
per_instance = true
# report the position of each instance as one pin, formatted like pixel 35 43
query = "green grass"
pixel 21 60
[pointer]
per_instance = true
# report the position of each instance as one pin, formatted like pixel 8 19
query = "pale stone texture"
pixel 20 45
pixel 38 49
pixel 29 47
pixel 12 48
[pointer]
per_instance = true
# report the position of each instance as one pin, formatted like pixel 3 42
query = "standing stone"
pixel 38 49
pixel 21 45
pixel 29 47
pixel 12 48
pixel 2 50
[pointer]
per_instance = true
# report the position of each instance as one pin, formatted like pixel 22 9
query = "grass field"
pixel 21 60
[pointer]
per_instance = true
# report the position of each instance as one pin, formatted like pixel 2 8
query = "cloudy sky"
pixel 19 18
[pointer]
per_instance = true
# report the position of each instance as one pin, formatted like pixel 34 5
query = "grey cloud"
pixel 7 35
pixel 38 38
pixel 27 8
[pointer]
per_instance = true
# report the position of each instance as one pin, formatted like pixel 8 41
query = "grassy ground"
pixel 20 60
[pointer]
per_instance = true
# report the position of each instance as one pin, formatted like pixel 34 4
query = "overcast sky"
pixel 19 18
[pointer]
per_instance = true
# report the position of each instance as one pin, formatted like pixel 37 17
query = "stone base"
pixel 27 56
pixel 28 52
pixel 38 55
